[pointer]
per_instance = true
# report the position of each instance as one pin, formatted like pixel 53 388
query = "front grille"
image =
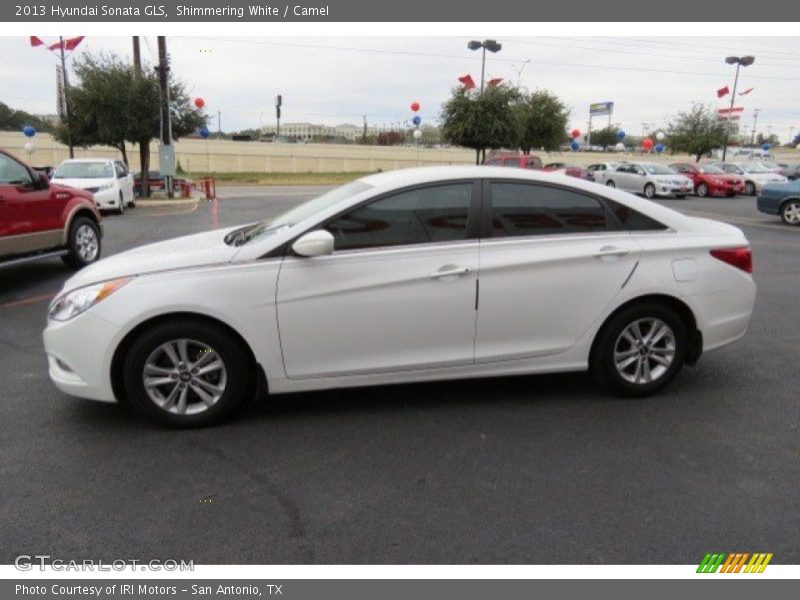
pixel 92 190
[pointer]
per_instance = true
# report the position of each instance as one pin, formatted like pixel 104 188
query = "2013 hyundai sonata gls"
pixel 414 275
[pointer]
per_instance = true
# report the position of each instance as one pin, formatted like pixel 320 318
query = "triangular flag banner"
pixel 467 81
pixel 35 41
pixel 72 43
pixel 495 82
pixel 747 91
pixel 723 92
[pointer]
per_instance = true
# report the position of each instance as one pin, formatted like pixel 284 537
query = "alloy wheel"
pixel 644 351
pixel 790 213
pixel 86 243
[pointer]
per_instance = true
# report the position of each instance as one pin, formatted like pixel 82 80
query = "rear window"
pixel 633 220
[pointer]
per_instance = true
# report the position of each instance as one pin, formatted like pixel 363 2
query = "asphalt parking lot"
pixel 539 469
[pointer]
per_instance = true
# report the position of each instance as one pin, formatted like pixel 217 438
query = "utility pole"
pixel 219 122
pixel 66 97
pixel 755 119
pixel 278 104
pixel 144 143
pixel 167 151
pixel 365 128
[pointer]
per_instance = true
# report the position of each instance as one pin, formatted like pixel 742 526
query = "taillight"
pixel 741 257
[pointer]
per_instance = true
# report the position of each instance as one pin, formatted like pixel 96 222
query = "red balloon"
pixel 415 106
pixel 647 144
pixel 199 102
pixel 576 133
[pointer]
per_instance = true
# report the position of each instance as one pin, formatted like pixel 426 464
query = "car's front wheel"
pixel 640 350
pixel 610 183
pixel 649 191
pixel 187 373
pixel 121 204
pixel 790 212
pixel 702 190
pixel 83 243
pixel 750 188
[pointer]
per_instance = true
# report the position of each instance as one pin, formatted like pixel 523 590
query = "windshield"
pixel 84 170
pixel 658 169
pixel 754 168
pixel 710 169
pixel 296 214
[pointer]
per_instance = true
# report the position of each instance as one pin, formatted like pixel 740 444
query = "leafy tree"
pixel 697 131
pixel 604 137
pixel 542 121
pixel 481 119
pixel 110 104
pixel 771 139
pixel 15 120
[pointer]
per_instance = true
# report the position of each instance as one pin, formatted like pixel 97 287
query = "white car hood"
pixel 201 249
pixel 766 177
pixel 83 184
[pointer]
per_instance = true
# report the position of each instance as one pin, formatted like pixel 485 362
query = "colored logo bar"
pixel 735 562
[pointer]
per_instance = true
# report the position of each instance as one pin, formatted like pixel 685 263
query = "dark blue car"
pixel 781 199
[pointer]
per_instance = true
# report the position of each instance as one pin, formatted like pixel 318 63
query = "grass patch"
pixel 257 178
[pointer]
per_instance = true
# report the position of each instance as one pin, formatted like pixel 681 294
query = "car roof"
pixel 79 160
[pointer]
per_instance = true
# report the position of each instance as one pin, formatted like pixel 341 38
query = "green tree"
pixel 110 104
pixel 481 119
pixel 604 137
pixel 15 120
pixel 696 131
pixel 542 121
pixel 771 139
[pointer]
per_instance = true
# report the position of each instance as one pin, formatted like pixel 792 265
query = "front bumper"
pixel 725 189
pixel 106 199
pixel 79 353
pixel 669 189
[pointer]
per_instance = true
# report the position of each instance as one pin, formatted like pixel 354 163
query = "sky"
pixel 334 80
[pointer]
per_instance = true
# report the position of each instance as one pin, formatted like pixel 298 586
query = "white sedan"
pixel 109 181
pixel 755 175
pixel 412 275
pixel 649 179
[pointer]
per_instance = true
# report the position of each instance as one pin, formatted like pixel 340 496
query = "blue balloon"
pixel 416 120
pixel 660 148
pixel 574 146
pixel 29 131
pixel 765 147
pixel 204 132
pixel 620 135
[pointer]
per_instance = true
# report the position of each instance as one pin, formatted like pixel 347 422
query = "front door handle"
pixel 610 251
pixel 449 271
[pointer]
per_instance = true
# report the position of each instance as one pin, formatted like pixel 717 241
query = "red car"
pixel 513 159
pixel 40 219
pixel 710 180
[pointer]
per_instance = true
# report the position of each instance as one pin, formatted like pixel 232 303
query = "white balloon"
pixel 28 147
pixel 417 134
pixel 660 136
pixel 620 147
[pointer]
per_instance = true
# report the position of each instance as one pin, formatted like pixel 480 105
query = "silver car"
pixel 649 179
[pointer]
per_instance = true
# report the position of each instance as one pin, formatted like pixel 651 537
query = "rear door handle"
pixel 611 251
pixel 449 271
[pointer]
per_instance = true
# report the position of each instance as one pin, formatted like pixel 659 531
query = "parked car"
pixel 513 159
pixel 781 199
pixel 109 181
pixel 754 175
pixel 157 183
pixel 41 219
pixel 599 169
pixel 650 179
pixel 376 282
pixel 710 180
pixel 569 169
pixel 791 170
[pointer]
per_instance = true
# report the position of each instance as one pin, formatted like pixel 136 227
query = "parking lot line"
pixel 32 300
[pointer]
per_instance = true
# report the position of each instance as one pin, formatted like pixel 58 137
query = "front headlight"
pixel 105 186
pixel 77 301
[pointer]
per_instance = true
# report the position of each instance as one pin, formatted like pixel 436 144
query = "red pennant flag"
pixel 35 41
pixel 495 82
pixel 467 81
pixel 723 92
pixel 747 91
pixel 72 43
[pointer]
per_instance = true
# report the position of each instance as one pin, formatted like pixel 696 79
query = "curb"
pixel 176 202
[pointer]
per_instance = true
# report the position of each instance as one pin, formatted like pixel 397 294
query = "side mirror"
pixel 314 243
pixel 42 181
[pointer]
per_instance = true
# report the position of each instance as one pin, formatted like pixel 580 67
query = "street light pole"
pixel 755 119
pixel 66 97
pixel 739 61
pixel 491 46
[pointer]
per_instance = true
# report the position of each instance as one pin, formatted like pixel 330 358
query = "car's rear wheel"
pixel 649 190
pixel 790 212
pixel 611 184
pixel 83 243
pixel 750 188
pixel 702 190
pixel 640 350
pixel 187 373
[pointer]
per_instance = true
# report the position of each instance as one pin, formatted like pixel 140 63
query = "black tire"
pixel 610 183
pixel 702 190
pixel 681 196
pixel 649 191
pixel 788 210
pixel 238 369
pixel 121 207
pixel 602 364
pixel 749 189
pixel 77 256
